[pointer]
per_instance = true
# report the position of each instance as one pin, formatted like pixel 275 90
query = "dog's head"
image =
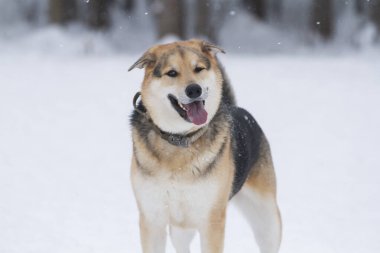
pixel 182 86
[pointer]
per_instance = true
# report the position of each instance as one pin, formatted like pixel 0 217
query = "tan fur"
pixel 183 65
pixel 263 178
pixel 213 232
pixel 165 178
pixel 187 163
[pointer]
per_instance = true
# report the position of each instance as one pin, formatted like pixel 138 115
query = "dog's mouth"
pixel 193 112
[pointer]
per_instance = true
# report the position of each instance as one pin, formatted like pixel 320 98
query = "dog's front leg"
pixel 153 236
pixel 212 233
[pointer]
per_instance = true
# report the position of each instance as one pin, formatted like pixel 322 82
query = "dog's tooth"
pixel 182 106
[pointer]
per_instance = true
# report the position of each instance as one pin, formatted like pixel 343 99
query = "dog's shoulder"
pixel 246 139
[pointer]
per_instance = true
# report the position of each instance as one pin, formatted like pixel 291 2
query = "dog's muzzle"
pixel 192 106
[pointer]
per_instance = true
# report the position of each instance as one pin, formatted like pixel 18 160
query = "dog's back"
pixel 246 140
pixel 246 135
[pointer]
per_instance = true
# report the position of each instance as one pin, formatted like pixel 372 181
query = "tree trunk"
pixel 169 15
pixel 374 14
pixel 258 8
pixel 359 6
pixel 277 9
pixel 62 11
pixel 128 5
pixel 99 16
pixel 322 20
pixel 204 24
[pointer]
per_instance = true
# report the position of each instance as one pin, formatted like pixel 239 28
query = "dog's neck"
pixel 179 140
pixel 182 140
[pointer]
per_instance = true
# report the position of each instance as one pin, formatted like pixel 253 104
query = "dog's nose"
pixel 193 90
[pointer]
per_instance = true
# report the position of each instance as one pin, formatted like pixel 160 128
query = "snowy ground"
pixel 65 151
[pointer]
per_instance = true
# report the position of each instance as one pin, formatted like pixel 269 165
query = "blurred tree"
pixel 62 11
pixel 99 14
pixel 204 24
pixel 277 9
pixel 359 6
pixel 322 18
pixel 170 17
pixel 374 14
pixel 31 11
pixel 258 8
pixel 128 5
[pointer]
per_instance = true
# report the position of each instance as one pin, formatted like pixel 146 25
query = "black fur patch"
pixel 247 136
pixel 227 91
pixel 143 127
pixel 157 70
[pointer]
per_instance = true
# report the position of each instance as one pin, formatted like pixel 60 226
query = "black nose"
pixel 193 90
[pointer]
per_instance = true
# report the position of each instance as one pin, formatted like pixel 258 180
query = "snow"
pixel 65 147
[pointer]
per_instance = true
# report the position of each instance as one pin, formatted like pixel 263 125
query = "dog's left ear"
pixel 211 48
pixel 145 60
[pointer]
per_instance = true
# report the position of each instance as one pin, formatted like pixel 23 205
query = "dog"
pixel 194 151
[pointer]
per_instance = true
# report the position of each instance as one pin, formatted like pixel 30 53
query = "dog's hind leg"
pixel 257 201
pixel 263 216
pixel 181 239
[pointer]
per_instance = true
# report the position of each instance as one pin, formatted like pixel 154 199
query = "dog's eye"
pixel 198 69
pixel 172 73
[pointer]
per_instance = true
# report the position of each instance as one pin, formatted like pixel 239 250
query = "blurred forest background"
pixel 308 70
pixel 267 25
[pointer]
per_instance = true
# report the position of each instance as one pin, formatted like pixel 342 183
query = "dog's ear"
pixel 145 60
pixel 208 47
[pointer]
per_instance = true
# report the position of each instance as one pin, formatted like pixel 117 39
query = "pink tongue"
pixel 196 112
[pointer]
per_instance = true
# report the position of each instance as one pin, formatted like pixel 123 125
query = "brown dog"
pixel 194 150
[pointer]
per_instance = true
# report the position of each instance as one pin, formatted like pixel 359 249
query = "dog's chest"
pixel 175 201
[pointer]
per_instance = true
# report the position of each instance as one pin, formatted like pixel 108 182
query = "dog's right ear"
pixel 147 59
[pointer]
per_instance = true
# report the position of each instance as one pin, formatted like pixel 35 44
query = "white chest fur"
pixel 169 200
